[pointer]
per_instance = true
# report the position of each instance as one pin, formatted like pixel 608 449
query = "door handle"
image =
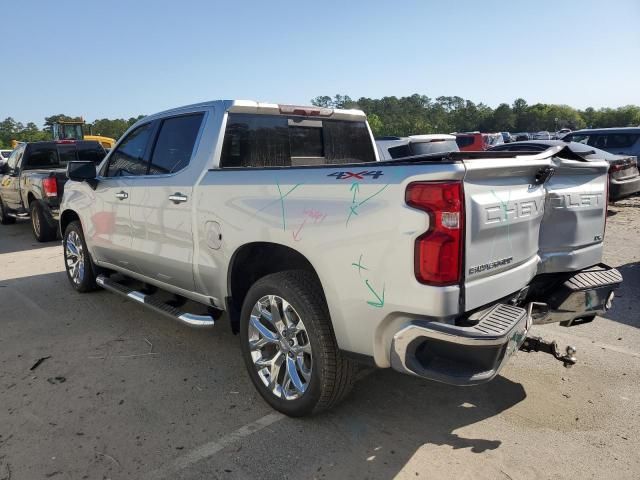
pixel 122 195
pixel 178 198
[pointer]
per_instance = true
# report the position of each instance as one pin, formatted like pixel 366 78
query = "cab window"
pixel 174 146
pixel 129 158
pixel 14 159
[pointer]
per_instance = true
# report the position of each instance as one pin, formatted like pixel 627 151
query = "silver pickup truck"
pixel 323 256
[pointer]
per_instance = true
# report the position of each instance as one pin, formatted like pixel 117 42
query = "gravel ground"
pixel 124 393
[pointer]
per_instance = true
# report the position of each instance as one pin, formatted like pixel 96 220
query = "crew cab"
pixel 322 256
pixel 32 182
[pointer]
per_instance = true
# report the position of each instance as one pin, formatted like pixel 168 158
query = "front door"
pixel 110 224
pixel 10 182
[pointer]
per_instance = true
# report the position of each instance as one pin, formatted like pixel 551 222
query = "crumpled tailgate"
pixel 517 226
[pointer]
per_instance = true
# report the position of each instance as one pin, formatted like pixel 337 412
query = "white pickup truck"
pixel 322 256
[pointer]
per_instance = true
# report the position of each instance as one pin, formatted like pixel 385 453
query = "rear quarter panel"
pixel 357 233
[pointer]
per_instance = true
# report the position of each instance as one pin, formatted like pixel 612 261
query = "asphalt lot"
pixel 130 394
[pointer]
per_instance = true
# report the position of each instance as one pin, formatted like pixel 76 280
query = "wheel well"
pixel 254 261
pixel 66 218
pixel 30 198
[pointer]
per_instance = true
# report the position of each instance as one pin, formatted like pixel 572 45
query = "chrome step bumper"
pixel 461 355
pixel 581 296
pixel 148 301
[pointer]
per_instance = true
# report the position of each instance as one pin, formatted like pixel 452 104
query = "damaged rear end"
pixel 533 231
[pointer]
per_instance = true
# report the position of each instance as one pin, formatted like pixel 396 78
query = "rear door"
pixel 162 201
pixel 517 227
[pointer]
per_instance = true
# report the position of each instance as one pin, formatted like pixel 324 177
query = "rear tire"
pixel 310 373
pixel 41 225
pixel 81 270
pixel 4 218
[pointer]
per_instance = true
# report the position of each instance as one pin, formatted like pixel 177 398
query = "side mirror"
pixel 82 171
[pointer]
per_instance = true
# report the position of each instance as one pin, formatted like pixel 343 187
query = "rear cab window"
pixel 254 140
pixel 58 155
pixel 41 156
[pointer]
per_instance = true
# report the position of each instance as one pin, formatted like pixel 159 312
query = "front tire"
pixel 81 271
pixel 4 218
pixel 289 347
pixel 42 226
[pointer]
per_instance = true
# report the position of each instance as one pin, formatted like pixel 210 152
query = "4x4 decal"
pixel 358 176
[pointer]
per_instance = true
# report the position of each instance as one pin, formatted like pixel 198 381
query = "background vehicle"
pixel 475 141
pixel 543 135
pixel 521 136
pixel 623 141
pixel 32 182
pixel 506 137
pixel 397 147
pixel 283 217
pixel 4 156
pixel 560 134
pixel 74 130
pixel 624 179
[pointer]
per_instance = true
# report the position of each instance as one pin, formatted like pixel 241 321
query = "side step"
pixel 190 319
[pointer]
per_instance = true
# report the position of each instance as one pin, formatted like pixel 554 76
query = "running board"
pixel 190 319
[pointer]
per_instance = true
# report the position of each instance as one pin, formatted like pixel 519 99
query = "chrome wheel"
pixel 35 221
pixel 280 347
pixel 74 257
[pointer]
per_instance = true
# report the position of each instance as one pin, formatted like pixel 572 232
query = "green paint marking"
pixel 355 205
pixel 282 197
pixel 355 187
pixel 370 197
pixel 359 265
pixel 380 302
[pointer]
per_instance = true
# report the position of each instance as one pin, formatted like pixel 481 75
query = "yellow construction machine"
pixel 74 130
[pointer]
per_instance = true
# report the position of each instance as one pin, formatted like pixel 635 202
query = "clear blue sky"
pixel 122 58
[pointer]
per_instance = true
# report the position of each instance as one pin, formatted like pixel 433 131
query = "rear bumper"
pixel 461 355
pixel 619 189
pixel 581 296
pixel 470 355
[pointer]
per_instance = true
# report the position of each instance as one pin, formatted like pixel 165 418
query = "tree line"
pixel 10 129
pixel 415 114
pixel 419 114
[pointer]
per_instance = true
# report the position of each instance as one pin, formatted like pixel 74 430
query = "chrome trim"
pixel 513 338
pixel 196 320
pixel 178 198
pixel 138 296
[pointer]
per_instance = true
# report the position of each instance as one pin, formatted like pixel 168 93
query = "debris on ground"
pixel 39 362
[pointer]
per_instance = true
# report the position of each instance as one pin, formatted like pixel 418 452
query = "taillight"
pixel 623 164
pixel 438 251
pixel 50 187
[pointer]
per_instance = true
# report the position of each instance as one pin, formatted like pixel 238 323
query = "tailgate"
pixel 516 228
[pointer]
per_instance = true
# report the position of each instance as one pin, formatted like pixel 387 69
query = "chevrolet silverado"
pixel 323 256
